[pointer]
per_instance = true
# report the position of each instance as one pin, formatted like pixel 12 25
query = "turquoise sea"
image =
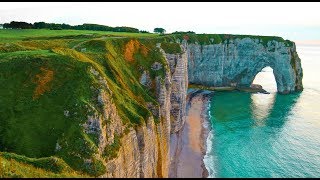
pixel 268 135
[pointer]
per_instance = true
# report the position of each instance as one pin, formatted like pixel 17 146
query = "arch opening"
pixel 262 104
pixel 266 79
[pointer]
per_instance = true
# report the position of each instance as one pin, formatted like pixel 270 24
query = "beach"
pixel 188 146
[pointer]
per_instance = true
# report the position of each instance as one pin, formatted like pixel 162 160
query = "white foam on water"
pixel 209 157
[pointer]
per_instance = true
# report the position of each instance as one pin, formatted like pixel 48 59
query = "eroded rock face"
pixel 238 61
pixel 145 79
pixel 179 84
pixel 144 150
pixel 163 128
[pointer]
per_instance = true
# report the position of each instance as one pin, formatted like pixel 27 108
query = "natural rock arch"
pixel 237 62
pixel 266 79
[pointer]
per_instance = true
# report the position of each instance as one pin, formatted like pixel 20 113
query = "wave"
pixel 209 158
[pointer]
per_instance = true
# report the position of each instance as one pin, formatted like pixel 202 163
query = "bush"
pixel 111 151
pixel 56 28
pixel 171 48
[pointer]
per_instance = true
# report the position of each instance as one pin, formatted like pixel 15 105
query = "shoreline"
pixel 204 133
pixel 188 146
pixel 254 88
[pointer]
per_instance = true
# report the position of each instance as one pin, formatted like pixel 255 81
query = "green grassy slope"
pixel 41 79
pixel 205 39
pixel 17 166
pixel 10 35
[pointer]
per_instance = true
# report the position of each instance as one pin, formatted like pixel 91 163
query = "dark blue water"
pixel 268 135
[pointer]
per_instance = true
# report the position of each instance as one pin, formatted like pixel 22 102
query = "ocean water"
pixel 268 135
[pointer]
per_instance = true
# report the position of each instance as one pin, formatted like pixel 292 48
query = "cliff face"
pixel 145 150
pixel 179 85
pixel 236 62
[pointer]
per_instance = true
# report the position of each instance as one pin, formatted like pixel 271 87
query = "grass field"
pixel 12 35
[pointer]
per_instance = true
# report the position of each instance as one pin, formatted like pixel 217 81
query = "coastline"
pixel 188 146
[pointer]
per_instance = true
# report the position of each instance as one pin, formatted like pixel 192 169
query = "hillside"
pixel 48 85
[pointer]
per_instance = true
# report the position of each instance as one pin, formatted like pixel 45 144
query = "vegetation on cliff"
pixel 18 166
pixel 171 48
pixel 206 39
pixel 47 89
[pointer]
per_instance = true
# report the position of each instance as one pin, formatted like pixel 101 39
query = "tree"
pixel 143 31
pixel 6 26
pixel 183 32
pixel 18 25
pixel 54 26
pixel 126 29
pixel 39 25
pixel 159 30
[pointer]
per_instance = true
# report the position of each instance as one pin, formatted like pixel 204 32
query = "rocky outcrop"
pixel 236 63
pixel 145 79
pixel 163 128
pixel 138 155
pixel 179 84
pixel 144 150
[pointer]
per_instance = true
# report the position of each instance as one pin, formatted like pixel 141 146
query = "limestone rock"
pixel 145 79
pixel 156 66
pixel 240 60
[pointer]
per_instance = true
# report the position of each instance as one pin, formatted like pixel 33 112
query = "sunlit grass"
pixel 11 35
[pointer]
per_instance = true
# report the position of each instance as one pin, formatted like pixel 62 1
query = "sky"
pixel 294 21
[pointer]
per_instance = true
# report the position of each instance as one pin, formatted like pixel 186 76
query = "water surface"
pixel 268 135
